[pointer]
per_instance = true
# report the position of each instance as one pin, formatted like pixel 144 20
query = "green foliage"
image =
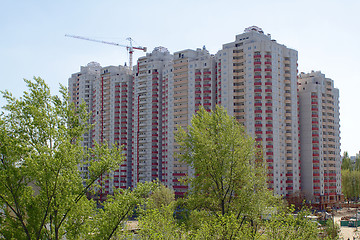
pixel 159 223
pixel 346 162
pixel 357 163
pixel 161 196
pixel 287 226
pixel 350 181
pixel 41 191
pixel 332 229
pixel 227 226
pixel 228 179
pixel 108 222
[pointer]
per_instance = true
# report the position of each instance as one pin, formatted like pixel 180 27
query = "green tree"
pixel 41 191
pixel 346 162
pixel 350 182
pixel 159 223
pixel 287 226
pixel 225 227
pixel 357 163
pixel 109 222
pixel 228 179
pixel 161 196
pixel 332 229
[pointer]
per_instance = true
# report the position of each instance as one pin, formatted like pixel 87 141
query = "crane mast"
pixel 129 47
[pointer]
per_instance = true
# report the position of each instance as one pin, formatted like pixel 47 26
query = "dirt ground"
pixel 347 232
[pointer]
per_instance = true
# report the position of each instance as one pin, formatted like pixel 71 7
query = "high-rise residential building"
pixel 320 138
pixel 257 84
pixel 111 115
pixel 188 82
pixel 80 87
pixel 147 115
pixel 107 92
pixel 254 78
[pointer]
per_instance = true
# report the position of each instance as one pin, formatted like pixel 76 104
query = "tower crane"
pixel 129 47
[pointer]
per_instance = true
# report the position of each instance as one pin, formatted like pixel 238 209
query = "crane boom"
pixel 130 47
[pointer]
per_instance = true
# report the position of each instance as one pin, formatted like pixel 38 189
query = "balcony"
pixel 257 76
pixel 258 125
pixel 330 174
pixel 179 174
pixel 257 83
pixel 257 63
pixel 257 90
pixel 267 56
pixel 257 56
pixel 268 90
pixel 257 97
pixel 267 63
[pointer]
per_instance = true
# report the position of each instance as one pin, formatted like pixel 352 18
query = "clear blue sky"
pixel 326 34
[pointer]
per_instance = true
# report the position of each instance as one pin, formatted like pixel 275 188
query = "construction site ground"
pixel 347 232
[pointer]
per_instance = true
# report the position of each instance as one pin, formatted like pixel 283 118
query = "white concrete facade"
pixel 188 82
pixel 319 137
pixel 147 115
pixel 257 84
